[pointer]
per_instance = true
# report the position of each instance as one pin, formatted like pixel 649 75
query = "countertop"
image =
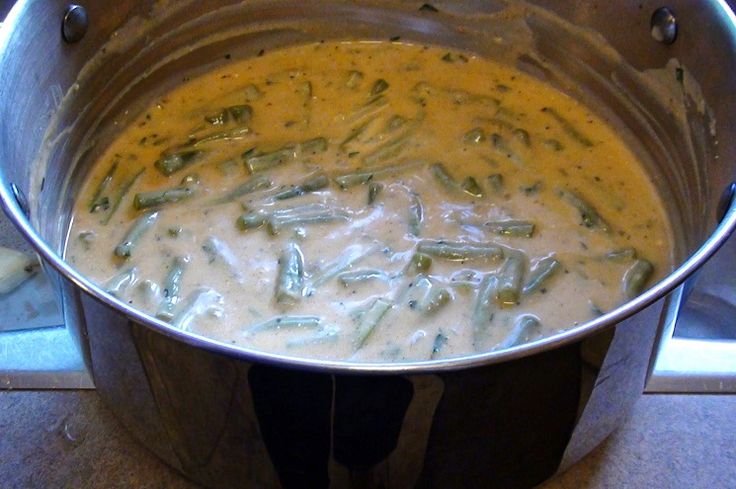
pixel 68 439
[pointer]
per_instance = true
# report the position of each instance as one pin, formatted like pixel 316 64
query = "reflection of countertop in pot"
pixel 53 439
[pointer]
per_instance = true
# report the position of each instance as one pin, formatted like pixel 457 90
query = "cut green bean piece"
pixel 395 122
pixel 568 127
pixel 351 278
pixel 483 309
pixel 540 274
pixel 203 301
pixel 509 280
pixel 120 283
pixel 233 134
pixel 157 198
pixel 474 136
pixel 374 189
pixel 523 136
pixel 470 186
pixel 124 190
pixel 135 233
pixel 439 342
pixel 354 79
pixel 388 150
pixel 511 228
pixel 356 132
pixel 379 86
pixel 347 259
pixel 419 263
pixel 174 162
pixel 313 146
pixel 252 93
pixel 99 201
pixel 315 182
pixel 440 173
pixel 286 322
pixel 370 319
pixel 276 222
pixel 636 278
pixel 370 109
pixel 290 281
pixel 264 161
pixel 553 144
pixel 347 180
pixel 588 214
pixel 325 334
pixel 457 251
pixel 256 182
pixel 526 329
pixel 500 144
pixel 87 238
pixel 496 182
pixel 416 214
pixel 621 255
pixel 172 288
pixel 435 298
pixel 251 220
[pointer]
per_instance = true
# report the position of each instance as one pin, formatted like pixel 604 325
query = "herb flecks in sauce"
pixel 368 201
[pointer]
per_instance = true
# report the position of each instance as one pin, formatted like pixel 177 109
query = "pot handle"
pixel 697 350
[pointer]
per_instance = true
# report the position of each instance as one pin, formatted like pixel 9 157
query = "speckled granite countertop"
pixel 67 439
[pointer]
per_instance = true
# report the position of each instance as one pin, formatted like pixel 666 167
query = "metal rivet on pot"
pixel 74 25
pixel 727 199
pixel 664 25
pixel 20 198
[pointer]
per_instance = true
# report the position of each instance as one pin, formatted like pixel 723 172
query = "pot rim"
pixel 16 215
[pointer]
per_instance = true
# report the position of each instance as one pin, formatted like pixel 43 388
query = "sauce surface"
pixel 370 201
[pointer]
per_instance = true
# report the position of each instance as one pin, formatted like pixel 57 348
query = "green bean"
pixel 252 93
pixel 621 255
pixel 117 285
pixel 238 113
pixel 313 146
pixel 305 89
pixel 568 127
pixel 172 288
pixel 87 238
pixel 588 214
pixel 457 251
pixel 348 258
pixel 387 150
pixel 356 132
pixel 251 220
pixel 324 334
pixel 290 281
pixel 354 79
pixel 435 298
pixel 636 278
pixel 218 251
pixel 501 146
pixel 374 189
pixel 540 274
pixel 233 134
pixel 174 162
pixel 157 198
pixel 264 161
pixel 483 308
pixel 395 122
pixel 512 228
pixel 440 173
pixel 453 58
pixel 496 182
pixel 350 278
pixel 288 322
pixel 99 201
pixel 256 182
pixel 419 263
pixel 474 136
pixel 276 223
pixel 471 187
pixel 427 7
pixel 379 86
pixel 347 180
pixel 554 145
pixel 595 310
pixel 439 342
pixel 135 233
pixel 149 294
pixel 370 319
pixel 312 183
pixel 523 137
pixel 124 189
pixel 526 329
pixel 416 214
pixel 371 108
pixel 200 302
pixel 509 280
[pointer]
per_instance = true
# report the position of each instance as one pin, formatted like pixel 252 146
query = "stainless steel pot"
pixel 229 417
